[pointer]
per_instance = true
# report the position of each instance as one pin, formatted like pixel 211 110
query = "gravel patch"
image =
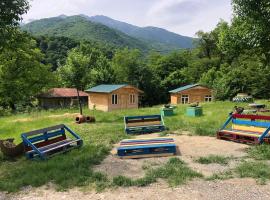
pixel 232 189
pixel 189 149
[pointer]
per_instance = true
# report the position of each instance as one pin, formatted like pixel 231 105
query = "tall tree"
pixel 10 14
pixel 255 14
pixel 126 65
pixel 22 75
pixel 85 66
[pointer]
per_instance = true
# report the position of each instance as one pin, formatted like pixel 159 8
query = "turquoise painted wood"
pixel 194 111
pixel 167 112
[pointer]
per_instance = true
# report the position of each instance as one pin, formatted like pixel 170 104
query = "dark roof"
pixel 105 88
pixel 62 92
pixel 184 88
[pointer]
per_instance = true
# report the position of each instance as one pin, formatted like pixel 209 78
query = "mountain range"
pixel 106 30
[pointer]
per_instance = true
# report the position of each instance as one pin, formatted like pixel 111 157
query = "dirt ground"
pixel 51 116
pixel 190 148
pixel 196 190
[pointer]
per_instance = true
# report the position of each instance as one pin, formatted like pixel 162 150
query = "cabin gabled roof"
pixel 180 89
pixel 62 92
pixel 104 88
pixel 108 88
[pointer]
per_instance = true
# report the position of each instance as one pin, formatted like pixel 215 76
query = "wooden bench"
pixel 45 142
pixel 144 124
pixel 253 129
pixel 142 148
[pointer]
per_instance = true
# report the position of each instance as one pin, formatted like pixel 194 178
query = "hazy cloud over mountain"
pixel 181 16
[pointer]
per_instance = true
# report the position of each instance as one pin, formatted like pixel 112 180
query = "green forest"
pixel 232 58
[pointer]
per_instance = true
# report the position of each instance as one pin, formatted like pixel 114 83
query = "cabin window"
pixel 114 99
pixel 208 98
pixel 185 99
pixel 132 98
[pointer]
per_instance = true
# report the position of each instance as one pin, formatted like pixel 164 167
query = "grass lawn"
pixel 75 168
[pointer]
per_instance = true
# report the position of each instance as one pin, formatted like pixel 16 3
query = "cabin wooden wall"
pixel 98 100
pixel 103 101
pixel 196 94
pixel 60 102
pixel 123 99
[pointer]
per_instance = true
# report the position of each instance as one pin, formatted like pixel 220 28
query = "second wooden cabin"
pixel 191 94
pixel 113 97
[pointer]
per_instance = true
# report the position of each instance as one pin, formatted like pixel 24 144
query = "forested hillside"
pixel 109 31
pixel 78 28
pixel 155 36
pixel 232 58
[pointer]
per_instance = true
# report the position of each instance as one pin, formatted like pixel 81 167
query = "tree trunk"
pixel 79 101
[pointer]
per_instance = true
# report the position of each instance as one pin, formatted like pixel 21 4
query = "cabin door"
pixel 124 99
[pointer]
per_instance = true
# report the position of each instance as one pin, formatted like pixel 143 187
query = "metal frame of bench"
pixel 43 142
pixel 246 136
pixel 147 128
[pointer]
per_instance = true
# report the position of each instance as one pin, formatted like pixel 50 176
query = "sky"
pixel 184 17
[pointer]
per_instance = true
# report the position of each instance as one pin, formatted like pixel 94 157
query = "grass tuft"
pixel 258 170
pixel 260 152
pixel 175 171
pixel 222 160
pixel 220 176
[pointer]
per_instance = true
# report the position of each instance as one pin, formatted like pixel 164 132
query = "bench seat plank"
pixel 55 146
pixel 237 132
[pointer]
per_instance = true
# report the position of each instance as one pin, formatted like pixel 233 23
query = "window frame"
pixel 114 99
pixel 132 98
pixel 208 98
pixel 184 98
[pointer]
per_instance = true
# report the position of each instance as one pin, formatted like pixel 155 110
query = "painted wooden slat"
pixel 143 123
pixel 136 144
pixel 145 139
pixel 265 133
pixel 139 142
pixel 251 123
pixel 241 133
pixel 143 117
pixel 146 146
pixel 252 117
pixel 248 128
pixel 147 155
pixel 39 131
pixel 47 136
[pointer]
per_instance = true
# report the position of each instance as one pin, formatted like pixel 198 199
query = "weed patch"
pixel 176 172
pixel 220 176
pixel 260 152
pixel 258 170
pixel 222 160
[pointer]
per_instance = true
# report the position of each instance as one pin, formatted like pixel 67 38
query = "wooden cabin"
pixel 191 94
pixel 113 97
pixel 61 98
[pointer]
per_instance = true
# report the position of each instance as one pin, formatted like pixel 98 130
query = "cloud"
pixel 175 11
pixel 189 16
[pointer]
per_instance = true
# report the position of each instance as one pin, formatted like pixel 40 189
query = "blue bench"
pixel 144 124
pixel 46 142
pixel 142 148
